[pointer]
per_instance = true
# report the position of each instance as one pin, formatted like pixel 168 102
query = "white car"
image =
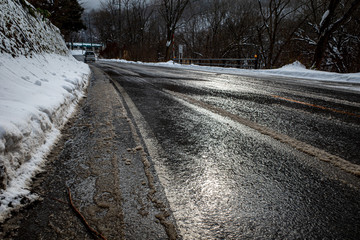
pixel 89 56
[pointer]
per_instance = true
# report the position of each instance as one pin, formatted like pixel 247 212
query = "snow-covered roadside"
pixel 77 52
pixel 37 96
pixel 295 71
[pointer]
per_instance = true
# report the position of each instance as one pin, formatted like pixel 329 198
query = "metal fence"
pixel 246 63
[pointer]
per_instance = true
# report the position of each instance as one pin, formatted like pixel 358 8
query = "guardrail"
pixel 246 63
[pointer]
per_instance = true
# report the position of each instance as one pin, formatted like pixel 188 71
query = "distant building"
pixel 97 47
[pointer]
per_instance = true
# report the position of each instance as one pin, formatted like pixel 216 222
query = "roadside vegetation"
pixel 322 34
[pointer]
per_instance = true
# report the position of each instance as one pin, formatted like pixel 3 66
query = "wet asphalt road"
pixel 98 179
pixel 245 158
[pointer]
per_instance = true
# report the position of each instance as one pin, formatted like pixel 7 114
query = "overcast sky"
pixel 90 4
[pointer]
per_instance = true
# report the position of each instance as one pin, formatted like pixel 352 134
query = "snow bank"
pixel 298 70
pixel 37 96
pixel 40 86
pixel 77 52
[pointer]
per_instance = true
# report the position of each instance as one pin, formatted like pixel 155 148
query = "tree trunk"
pixel 170 39
pixel 321 47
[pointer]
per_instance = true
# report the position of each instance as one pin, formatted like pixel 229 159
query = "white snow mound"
pixel 295 66
pixel 37 96
pixel 40 86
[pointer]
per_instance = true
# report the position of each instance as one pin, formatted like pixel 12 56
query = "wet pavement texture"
pixel 162 153
pixel 102 162
pixel 228 180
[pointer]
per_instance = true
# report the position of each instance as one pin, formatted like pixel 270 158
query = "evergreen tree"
pixel 65 14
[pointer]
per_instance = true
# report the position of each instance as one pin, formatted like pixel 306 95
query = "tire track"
pixel 301 146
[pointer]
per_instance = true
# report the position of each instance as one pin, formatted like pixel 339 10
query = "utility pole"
pixel 91 39
pixel 118 3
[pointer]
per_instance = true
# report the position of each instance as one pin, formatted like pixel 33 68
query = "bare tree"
pixel 241 28
pixel 215 18
pixel 191 33
pixel 137 14
pixel 280 22
pixel 280 31
pixel 171 11
pixel 104 24
pixel 331 21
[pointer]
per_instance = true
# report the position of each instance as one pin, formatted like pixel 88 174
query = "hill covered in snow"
pixel 40 86
pixel 25 32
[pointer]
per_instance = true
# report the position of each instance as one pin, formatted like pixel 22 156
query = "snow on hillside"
pixel 23 34
pixel 41 84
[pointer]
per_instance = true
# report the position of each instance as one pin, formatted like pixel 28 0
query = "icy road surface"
pixel 165 153
pixel 246 158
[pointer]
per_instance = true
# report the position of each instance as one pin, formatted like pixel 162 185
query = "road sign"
pixel 181 49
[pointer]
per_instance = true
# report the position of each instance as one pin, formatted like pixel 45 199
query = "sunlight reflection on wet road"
pixel 225 180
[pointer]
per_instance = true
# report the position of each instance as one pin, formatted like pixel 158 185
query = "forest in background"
pixel 321 34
